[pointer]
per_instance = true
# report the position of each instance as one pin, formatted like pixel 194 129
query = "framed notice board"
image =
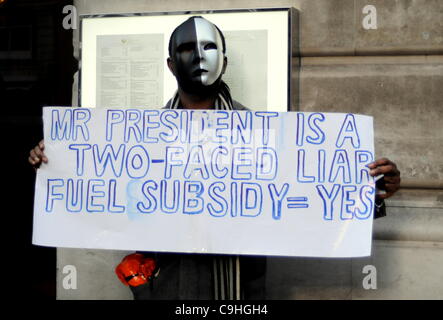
pixel 123 57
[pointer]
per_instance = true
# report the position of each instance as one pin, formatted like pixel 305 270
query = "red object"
pixel 135 270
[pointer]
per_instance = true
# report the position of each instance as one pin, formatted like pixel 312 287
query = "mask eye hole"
pixel 189 46
pixel 210 46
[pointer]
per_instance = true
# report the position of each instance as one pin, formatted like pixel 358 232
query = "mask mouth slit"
pixel 199 72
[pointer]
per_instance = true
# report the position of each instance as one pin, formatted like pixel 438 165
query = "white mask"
pixel 211 58
pixel 197 51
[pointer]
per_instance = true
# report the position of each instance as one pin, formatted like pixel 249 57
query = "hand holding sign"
pixel 391 176
pixel 37 155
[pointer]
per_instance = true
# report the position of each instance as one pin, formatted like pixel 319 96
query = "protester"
pixel 197 59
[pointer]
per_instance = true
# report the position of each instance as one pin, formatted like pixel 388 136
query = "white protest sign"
pixel 231 182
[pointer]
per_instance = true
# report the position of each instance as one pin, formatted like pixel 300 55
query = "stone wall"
pixel 394 73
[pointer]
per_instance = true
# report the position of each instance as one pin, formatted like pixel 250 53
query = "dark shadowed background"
pixel 36 69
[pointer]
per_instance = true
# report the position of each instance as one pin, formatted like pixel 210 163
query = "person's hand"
pixel 37 155
pixel 390 181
